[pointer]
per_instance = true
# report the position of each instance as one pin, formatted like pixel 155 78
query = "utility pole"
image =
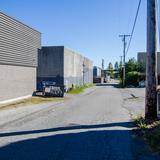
pixel 151 62
pixel 83 71
pixel 124 55
pixel 102 72
pixel 121 61
pixel 103 64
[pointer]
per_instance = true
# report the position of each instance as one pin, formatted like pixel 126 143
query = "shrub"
pixel 132 78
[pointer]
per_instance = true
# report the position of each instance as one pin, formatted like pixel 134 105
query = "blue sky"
pixel 90 27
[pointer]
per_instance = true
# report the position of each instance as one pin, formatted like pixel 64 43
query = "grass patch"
pixel 140 122
pixel 79 89
pixel 30 101
pixel 150 132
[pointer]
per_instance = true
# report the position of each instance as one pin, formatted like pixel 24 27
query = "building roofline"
pixel 97 67
pixel 51 46
pixel 146 52
pixel 19 22
pixel 75 52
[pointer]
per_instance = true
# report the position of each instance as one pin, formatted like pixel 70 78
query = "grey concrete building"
pixel 141 58
pixel 19 45
pixel 63 66
pixel 97 71
pixel 98 76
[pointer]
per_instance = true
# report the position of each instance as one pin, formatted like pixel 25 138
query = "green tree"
pixel 116 70
pixel 120 71
pixel 132 65
pixel 116 66
pixel 133 75
pixel 110 70
pixel 132 72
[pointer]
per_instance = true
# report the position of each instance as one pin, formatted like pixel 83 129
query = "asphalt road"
pixel 92 126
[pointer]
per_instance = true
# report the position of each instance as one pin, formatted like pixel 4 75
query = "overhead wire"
pixel 130 15
pixel 134 24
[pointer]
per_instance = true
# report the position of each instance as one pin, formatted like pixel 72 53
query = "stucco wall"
pixel 16 81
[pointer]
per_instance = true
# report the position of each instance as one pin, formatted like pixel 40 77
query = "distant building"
pixel 97 71
pixel 97 74
pixel 141 57
pixel 19 45
pixel 63 66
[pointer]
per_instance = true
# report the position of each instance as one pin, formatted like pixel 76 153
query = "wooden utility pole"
pixel 124 56
pixel 151 62
pixel 103 64
pixel 121 61
pixel 83 71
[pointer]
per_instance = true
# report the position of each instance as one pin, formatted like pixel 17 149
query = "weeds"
pixel 30 101
pixel 79 89
pixel 150 132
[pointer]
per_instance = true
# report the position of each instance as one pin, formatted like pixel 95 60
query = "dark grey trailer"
pixel 64 67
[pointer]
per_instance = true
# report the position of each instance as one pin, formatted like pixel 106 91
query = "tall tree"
pixel 110 70
pixel 132 65
pixel 116 66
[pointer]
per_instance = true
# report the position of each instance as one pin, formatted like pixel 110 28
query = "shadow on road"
pixel 90 145
pixel 84 145
pixel 99 143
pixel 72 127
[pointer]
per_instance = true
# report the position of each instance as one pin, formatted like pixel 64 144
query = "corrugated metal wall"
pixel 19 43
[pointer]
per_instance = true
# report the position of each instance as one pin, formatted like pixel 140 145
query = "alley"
pixel 91 126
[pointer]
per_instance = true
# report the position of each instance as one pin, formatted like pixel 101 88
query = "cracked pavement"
pixel 94 125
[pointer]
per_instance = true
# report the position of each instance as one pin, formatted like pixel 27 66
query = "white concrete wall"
pixel 73 68
pixel 16 81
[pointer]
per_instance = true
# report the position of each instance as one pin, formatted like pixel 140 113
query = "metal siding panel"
pixel 19 43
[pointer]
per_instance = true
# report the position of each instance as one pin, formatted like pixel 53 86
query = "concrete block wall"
pixel 16 81
pixel 77 69
pixel 73 68
pixel 88 71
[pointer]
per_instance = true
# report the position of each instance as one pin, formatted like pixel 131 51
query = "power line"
pixel 139 4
